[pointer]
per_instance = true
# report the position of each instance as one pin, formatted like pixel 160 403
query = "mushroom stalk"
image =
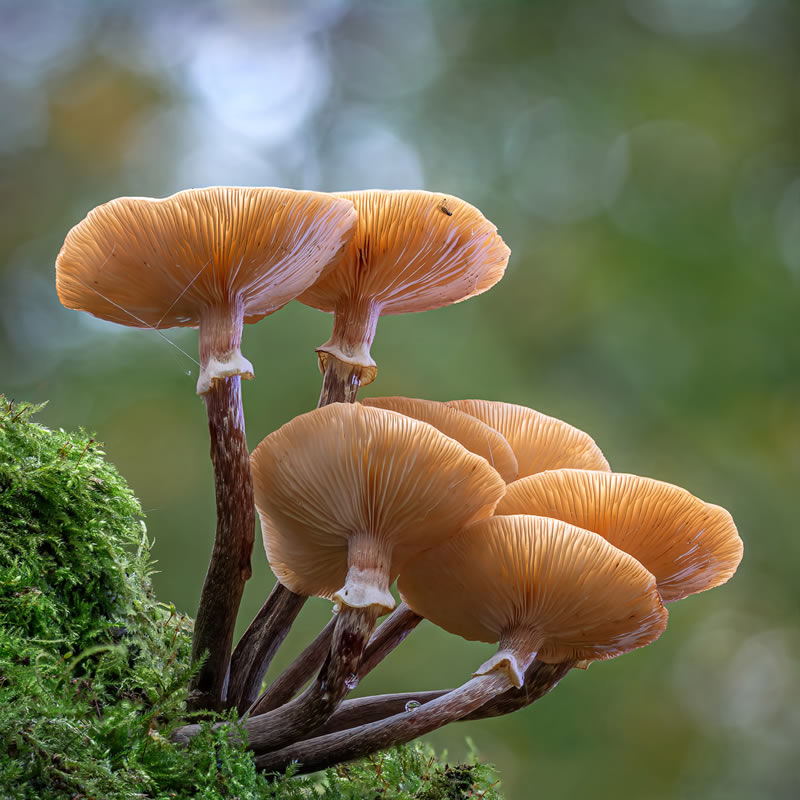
pixel 333 748
pixel 339 674
pixel 259 643
pixel 294 677
pixel 390 633
pixel 266 632
pixel 539 680
pixel 229 567
pixel 340 383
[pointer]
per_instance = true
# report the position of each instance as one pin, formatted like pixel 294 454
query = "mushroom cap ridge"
pixel 476 436
pixel 689 545
pixel 161 262
pixel 539 442
pixel 345 469
pixel 579 596
pixel 412 251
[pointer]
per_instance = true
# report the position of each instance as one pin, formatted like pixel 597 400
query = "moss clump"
pixel 93 670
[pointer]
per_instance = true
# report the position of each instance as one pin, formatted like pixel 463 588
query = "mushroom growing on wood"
pixel 542 588
pixel 407 255
pixel 689 545
pixel 539 442
pixel 212 259
pixel 346 496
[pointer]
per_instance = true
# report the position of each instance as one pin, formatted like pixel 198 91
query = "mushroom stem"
pixel 340 382
pixel 293 678
pixel 266 632
pixel 229 567
pixel 369 561
pixel 517 651
pixel 333 748
pixel 354 323
pixel 339 674
pixel 387 636
pixel 220 335
pixel 540 678
pixel 259 643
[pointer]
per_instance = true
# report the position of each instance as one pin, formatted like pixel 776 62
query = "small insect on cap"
pixel 209 258
pixel 412 251
pixel 689 545
pixel 348 494
pixel 540 587
pixel 539 442
pixel 475 435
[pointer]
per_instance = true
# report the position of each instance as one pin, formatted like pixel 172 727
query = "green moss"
pixel 93 670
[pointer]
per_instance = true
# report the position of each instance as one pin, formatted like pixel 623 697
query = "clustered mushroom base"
pixel 502 524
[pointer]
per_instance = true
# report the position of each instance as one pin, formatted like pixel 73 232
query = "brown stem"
pixel 340 383
pixel 539 680
pixel 339 674
pixel 229 567
pixel 387 636
pixel 258 645
pixel 294 677
pixel 361 710
pixel 333 748
pixel 260 642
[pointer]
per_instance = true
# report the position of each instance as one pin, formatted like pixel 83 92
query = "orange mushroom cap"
pixel 348 494
pixel 689 545
pixel 475 435
pixel 540 587
pixel 538 441
pixel 200 258
pixel 412 251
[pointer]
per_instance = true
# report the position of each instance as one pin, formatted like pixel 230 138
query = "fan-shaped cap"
pixel 540 587
pixel 475 435
pixel 538 441
pixel 689 545
pixel 162 263
pixel 348 494
pixel 412 251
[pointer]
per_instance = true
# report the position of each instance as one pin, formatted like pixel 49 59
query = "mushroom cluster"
pixel 499 523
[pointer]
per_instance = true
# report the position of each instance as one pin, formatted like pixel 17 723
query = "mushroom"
pixel 476 436
pixel 211 259
pixel 544 589
pixel 346 496
pixel 412 251
pixel 538 441
pixel 689 545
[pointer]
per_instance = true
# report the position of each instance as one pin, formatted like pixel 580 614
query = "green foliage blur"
pixel 640 158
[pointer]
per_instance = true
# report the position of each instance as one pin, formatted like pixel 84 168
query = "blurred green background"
pixel 641 159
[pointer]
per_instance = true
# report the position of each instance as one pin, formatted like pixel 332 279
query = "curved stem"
pixel 229 567
pixel 387 636
pixel 293 678
pixel 337 676
pixel 324 751
pixel 259 643
pixel 266 632
pixel 539 680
